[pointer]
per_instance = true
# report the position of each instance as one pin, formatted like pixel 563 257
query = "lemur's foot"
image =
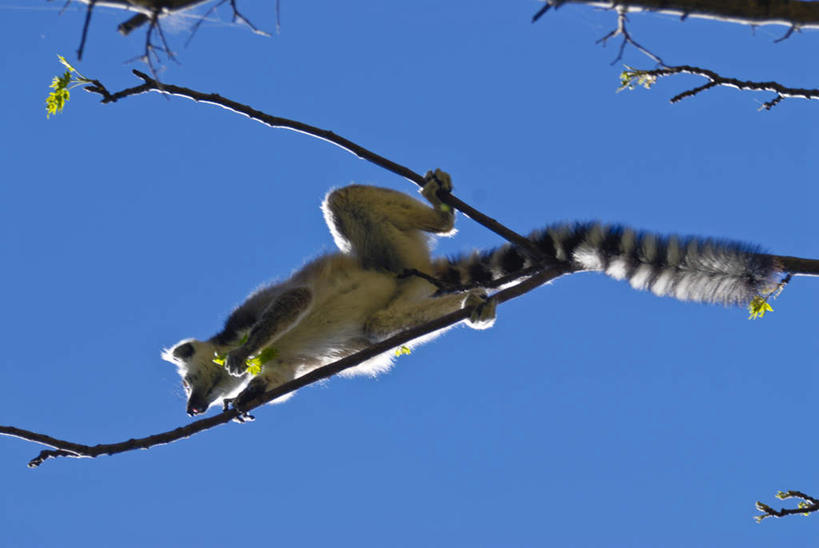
pixel 435 181
pixel 235 362
pixel 255 388
pixel 243 416
pixel 483 309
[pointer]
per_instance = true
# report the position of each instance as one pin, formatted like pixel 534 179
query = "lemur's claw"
pixel 242 417
pixel 255 388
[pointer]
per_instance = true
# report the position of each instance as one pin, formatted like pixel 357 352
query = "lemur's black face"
pixel 192 383
pixel 197 402
pixel 205 381
pixel 200 378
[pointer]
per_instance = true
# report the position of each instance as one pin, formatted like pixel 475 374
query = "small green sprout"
pixel 56 100
pixel 758 306
pixel 254 364
pixel 253 368
pixel 402 351
pixel 630 78
pixel 767 511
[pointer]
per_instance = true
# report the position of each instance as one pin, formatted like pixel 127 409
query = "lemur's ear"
pixel 183 351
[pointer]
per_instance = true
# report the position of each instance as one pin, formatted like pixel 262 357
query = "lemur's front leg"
pixel 281 315
pixel 435 182
pixel 256 387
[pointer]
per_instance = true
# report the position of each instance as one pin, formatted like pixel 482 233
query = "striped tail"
pixel 689 269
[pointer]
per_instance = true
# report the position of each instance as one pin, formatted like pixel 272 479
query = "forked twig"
pixel 807 505
pixel 714 80
pixel 621 30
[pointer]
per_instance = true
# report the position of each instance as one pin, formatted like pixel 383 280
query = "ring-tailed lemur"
pixel 342 302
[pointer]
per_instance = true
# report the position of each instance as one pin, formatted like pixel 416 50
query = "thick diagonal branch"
pixel 63 448
pixel 151 84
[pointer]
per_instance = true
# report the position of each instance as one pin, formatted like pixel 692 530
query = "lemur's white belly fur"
pixel 344 298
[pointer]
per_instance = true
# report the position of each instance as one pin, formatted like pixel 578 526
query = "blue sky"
pixel 590 415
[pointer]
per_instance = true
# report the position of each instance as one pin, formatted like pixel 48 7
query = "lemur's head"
pixel 205 382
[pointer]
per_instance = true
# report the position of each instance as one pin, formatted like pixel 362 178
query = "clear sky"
pixel 591 415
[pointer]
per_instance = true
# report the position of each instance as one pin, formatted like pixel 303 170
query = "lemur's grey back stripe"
pixel 691 269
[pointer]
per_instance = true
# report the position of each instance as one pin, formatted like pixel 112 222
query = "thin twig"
pixel 149 12
pixel 201 20
pixel 237 16
pixel 807 504
pixel 151 84
pixel 797 265
pixel 692 92
pixel 63 448
pixel 85 25
pixel 787 35
pixel 621 30
pixel 129 25
pixel 718 80
pixel 541 12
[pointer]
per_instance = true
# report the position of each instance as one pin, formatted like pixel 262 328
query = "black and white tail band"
pixel 689 269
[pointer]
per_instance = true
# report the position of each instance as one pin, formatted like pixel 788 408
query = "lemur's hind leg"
pixel 415 306
pixel 384 228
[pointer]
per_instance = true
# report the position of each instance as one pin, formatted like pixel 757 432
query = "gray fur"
pixel 688 269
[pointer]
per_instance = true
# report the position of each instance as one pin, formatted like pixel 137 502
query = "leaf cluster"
pixel 56 100
pixel 630 78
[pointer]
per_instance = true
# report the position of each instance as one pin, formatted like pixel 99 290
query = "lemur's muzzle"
pixel 196 406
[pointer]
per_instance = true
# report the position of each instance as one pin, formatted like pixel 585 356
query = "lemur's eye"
pixel 183 351
pixel 186 385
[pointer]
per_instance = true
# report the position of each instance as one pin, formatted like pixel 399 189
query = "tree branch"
pixel 89 11
pixel 151 84
pixel 621 30
pixel 150 12
pixel 793 13
pixel 630 78
pixel 798 266
pixel 530 279
pixel 63 448
pixel 807 504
